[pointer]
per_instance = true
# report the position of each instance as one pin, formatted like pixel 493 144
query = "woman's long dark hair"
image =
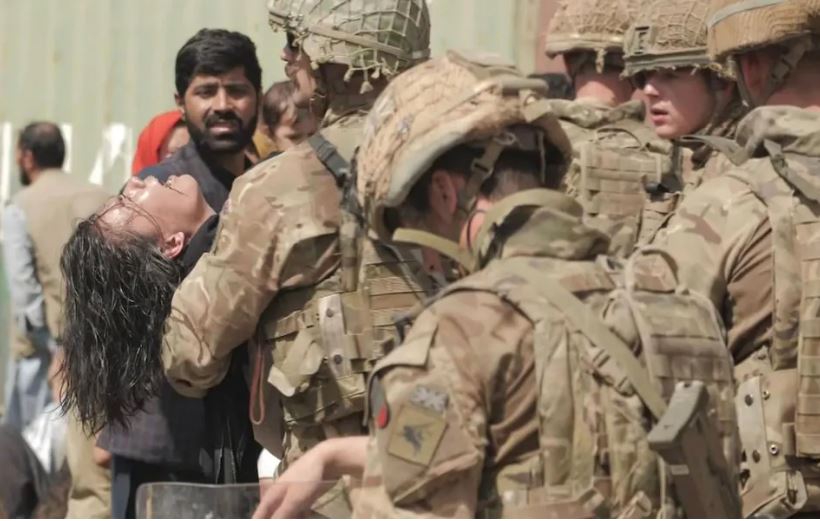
pixel 119 288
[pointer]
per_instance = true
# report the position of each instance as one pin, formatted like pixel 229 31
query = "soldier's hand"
pixel 295 491
pixel 312 475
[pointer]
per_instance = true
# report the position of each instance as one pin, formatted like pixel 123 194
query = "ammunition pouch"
pixel 626 187
pixel 603 465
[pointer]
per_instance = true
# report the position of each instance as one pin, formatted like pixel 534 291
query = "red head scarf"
pixel 151 139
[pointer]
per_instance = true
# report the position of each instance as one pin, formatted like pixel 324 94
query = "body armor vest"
pixel 326 338
pixel 778 397
pixel 626 178
pixel 594 459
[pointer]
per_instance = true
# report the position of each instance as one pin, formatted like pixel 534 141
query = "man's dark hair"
pixel 45 142
pixel 274 102
pixel 216 51
pixel 119 288
pixel 515 171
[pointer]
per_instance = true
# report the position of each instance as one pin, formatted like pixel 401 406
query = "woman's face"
pixel 679 102
pixel 148 207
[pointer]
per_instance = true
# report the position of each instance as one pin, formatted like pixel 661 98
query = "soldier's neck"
pixel 800 89
pixel 350 100
pixel 607 89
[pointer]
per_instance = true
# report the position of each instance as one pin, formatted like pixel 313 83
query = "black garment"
pixel 214 181
pixel 169 430
pixel 233 450
pixel 23 482
pixel 128 474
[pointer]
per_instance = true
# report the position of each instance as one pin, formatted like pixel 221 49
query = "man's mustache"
pixel 229 117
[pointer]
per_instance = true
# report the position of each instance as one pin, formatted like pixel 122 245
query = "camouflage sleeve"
pixel 721 240
pixel 266 221
pixel 432 409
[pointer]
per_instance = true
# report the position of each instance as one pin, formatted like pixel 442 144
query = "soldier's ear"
pixel 172 245
pixel 442 193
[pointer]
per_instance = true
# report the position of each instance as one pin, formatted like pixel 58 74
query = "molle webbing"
pixel 624 178
pixel 680 341
pixel 787 185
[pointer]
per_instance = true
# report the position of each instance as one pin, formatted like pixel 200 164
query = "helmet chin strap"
pixel 446 247
pixel 786 63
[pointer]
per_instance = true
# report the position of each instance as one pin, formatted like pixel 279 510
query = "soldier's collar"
pixel 796 130
pixel 536 222
pixel 341 105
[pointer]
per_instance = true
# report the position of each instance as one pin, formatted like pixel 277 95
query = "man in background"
pixel 36 225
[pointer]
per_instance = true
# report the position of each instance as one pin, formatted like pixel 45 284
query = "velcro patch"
pixel 430 398
pixel 416 434
pixel 378 404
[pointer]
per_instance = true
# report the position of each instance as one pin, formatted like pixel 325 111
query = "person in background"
pixel 160 139
pixel 283 122
pixel 87 493
pixel 36 225
pixel 23 480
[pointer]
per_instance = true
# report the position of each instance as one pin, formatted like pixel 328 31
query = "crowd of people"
pixel 398 285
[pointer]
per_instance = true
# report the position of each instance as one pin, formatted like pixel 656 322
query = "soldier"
pixel 500 402
pixel 686 92
pixel 288 270
pixel 748 240
pixel 620 168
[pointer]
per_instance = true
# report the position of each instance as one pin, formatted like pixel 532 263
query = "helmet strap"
pixel 786 62
pixel 446 247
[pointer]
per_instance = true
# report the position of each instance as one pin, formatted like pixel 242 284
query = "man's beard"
pixel 225 143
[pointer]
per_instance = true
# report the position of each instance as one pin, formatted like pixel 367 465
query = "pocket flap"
pixel 303 359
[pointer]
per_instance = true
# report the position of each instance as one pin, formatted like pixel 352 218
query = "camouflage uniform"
pixel 288 270
pixel 620 168
pixel 497 403
pixel 747 240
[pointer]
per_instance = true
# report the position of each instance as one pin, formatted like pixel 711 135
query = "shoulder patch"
pixel 416 434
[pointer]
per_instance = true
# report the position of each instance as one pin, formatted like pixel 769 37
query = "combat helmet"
pixel 376 37
pixel 738 26
pixel 477 101
pixel 670 34
pixel 594 27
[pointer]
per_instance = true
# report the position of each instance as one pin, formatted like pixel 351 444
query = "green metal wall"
pixel 103 68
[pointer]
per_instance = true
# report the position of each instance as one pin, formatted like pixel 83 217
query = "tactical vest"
pixel 626 178
pixel 778 397
pixel 594 457
pixel 326 338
